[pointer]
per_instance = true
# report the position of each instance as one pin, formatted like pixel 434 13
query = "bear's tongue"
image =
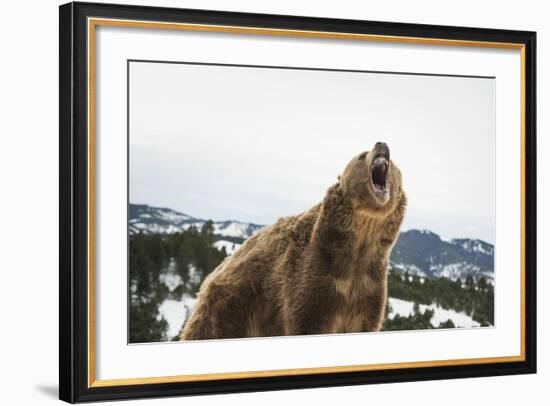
pixel 379 173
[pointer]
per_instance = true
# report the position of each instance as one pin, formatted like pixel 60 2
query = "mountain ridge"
pixel 161 220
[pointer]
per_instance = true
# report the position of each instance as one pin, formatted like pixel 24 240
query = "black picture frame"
pixel 74 385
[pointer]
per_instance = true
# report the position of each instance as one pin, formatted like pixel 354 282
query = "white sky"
pixel 255 144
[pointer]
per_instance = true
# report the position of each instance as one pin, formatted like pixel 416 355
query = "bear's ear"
pixel 339 178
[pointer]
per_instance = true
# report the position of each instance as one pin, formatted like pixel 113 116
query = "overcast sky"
pixel 255 144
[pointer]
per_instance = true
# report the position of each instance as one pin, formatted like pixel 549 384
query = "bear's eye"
pixel 362 156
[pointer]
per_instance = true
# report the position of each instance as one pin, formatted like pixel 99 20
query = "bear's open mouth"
pixel 379 173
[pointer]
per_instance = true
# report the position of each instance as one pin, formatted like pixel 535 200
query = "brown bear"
pixel 322 271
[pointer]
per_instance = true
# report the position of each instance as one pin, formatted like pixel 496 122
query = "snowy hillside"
pixel 176 308
pixel 405 308
pixel 156 220
pixel 230 247
pixel 424 253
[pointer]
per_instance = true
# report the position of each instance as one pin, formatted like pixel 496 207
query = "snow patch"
pixel 405 308
pixel 233 229
pixel 230 247
pixel 172 281
pixel 410 268
pixel 175 312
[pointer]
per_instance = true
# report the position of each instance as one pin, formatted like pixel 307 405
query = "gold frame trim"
pixel 94 22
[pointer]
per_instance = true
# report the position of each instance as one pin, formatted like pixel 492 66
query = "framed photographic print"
pixel 255 202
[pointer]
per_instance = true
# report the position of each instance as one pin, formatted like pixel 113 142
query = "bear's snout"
pixel 381 149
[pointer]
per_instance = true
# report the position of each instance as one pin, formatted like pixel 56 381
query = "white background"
pixel 28 164
pixel 115 359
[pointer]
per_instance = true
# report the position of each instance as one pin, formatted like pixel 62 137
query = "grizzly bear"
pixel 322 271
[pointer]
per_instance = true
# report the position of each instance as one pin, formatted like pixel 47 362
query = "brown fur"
pixel 323 271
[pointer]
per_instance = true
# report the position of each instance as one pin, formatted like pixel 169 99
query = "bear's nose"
pixel 381 149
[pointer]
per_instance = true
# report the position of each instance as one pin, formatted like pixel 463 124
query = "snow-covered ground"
pixel 175 312
pixel 233 229
pixel 171 279
pixel 405 308
pixel 230 247
pixel 410 268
